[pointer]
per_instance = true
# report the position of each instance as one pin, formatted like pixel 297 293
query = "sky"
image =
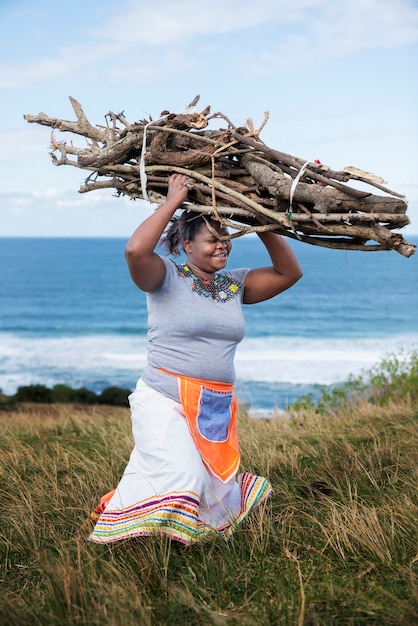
pixel 338 78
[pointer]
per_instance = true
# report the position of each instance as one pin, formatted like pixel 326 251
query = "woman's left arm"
pixel 264 283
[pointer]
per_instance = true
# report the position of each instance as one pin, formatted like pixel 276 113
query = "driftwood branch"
pixel 246 184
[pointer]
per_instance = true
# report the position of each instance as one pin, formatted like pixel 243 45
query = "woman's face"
pixel 206 254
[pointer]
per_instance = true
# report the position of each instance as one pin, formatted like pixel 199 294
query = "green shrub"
pixel 62 393
pixel 114 396
pixel 394 377
pixel 85 396
pixel 33 393
pixel 6 402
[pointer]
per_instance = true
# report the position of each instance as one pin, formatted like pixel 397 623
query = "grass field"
pixel 305 558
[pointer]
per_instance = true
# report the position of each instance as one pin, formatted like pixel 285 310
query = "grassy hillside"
pixel 349 557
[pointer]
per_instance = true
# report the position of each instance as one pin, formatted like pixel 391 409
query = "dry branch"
pixel 248 185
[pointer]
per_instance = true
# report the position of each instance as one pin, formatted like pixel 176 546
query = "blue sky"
pixel 339 80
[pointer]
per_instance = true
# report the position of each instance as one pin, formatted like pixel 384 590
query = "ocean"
pixel 70 313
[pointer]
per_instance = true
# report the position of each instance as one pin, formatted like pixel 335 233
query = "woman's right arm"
pixel 146 267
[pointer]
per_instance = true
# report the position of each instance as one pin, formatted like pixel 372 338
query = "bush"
pixel 33 393
pixel 115 396
pixel 85 396
pixel 62 394
pixel 6 402
pixel 395 377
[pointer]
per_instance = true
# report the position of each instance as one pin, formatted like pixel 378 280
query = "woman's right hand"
pixel 145 265
pixel 178 188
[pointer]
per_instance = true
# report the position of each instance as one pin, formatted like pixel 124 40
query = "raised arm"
pixel 264 283
pixel 146 266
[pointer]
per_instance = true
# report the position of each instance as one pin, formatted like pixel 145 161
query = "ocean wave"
pixel 309 361
pixel 97 361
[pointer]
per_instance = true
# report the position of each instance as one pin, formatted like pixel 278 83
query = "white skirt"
pixel 166 488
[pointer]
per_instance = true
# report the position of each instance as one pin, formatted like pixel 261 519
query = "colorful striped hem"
pixel 175 515
pixel 254 491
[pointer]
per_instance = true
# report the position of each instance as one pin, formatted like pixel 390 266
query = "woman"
pixel 181 476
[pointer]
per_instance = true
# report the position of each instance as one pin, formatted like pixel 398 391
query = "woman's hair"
pixel 181 229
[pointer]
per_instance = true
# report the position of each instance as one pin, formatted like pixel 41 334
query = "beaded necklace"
pixel 221 288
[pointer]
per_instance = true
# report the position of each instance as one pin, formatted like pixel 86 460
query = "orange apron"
pixel 210 410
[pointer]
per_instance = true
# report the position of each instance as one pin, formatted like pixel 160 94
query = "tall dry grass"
pixel 349 557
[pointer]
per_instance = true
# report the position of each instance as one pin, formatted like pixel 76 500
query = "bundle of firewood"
pixel 235 176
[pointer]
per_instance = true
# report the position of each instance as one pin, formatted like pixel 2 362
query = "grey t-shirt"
pixel 191 334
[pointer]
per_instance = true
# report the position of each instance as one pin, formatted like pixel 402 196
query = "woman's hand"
pixel 178 188
pixel 146 267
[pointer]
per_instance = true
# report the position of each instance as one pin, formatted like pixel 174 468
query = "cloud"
pixel 353 26
pixel 165 22
pixel 148 40
pixel 51 213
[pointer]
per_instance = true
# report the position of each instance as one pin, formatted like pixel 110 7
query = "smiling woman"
pixel 181 476
pixel 201 237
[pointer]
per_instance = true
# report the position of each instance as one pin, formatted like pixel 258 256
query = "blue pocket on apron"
pixel 214 417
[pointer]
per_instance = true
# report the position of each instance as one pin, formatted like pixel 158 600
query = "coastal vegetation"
pixel 337 543
pixel 63 394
